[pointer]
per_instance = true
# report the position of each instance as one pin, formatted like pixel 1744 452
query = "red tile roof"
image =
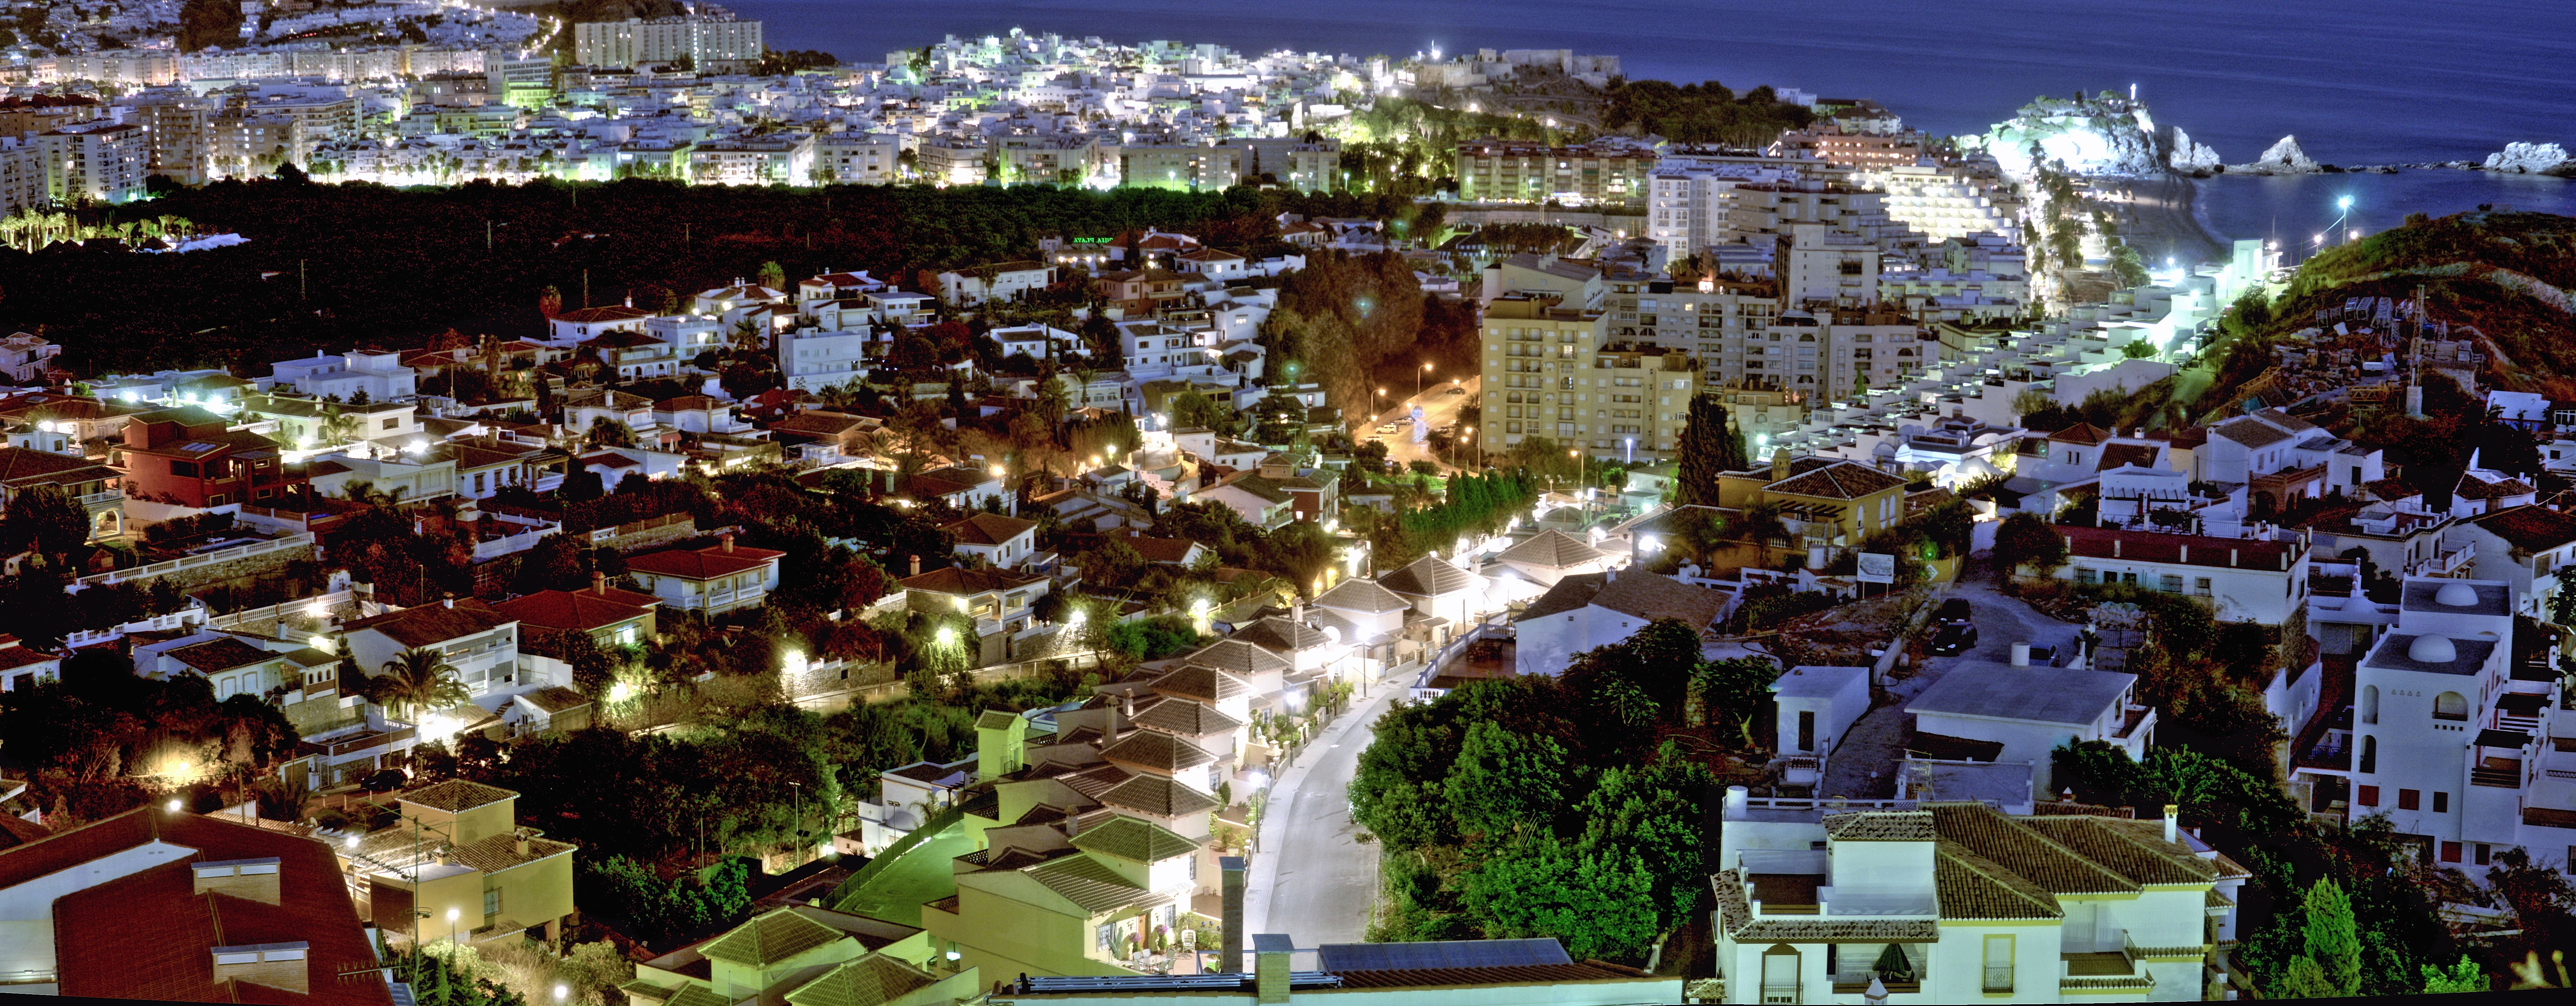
pixel 703 563
pixel 2175 549
pixel 988 529
pixel 431 624
pixel 146 936
pixel 586 610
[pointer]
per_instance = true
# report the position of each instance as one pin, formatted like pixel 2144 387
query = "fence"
pixel 187 562
pixel 947 817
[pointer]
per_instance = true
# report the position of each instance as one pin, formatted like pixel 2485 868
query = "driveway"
pixel 1311 877
pixel 1864 766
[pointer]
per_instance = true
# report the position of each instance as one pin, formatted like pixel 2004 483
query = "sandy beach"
pixel 2158 219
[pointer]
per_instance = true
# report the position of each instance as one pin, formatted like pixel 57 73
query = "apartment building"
pixel 811 360
pixel 776 159
pixel 1947 200
pixel 100 161
pixel 1830 143
pixel 1535 354
pixel 711 44
pixel 1686 198
pixel 858 159
pixel 375 374
pixel 175 131
pixel 1524 172
pixel 2458 730
pixel 1182 168
pixel 457 862
pixel 1293 163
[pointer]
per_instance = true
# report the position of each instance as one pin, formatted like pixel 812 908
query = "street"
pixel 1861 768
pixel 1439 408
pixel 1312 879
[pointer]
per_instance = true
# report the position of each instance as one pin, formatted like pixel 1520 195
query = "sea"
pixel 2359 82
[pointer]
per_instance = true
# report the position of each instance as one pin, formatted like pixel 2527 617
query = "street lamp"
pixel 1417 383
pixel 452 916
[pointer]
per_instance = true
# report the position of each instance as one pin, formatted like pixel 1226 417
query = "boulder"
pixel 2284 158
pixel 2532 159
pixel 2190 157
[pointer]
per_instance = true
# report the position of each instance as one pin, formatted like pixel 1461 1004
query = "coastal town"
pixel 522 505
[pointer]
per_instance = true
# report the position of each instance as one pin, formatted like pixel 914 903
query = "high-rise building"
pixel 1686 208
pixel 707 43
pixel 101 161
pixel 174 126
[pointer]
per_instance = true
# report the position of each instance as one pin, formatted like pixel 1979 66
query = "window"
pixel 2450 852
pixel 1999 964
pixel 2441 802
pixel 2370 754
pixel 2408 799
pixel 1780 975
pixel 184 469
pixel 2450 706
pixel 2370 704
pixel 2366 796
pixel 393 423
pixel 492 902
pixel 2483 852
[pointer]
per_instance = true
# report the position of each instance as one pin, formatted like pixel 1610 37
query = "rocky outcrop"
pixel 2532 159
pixel 2104 136
pixel 2191 158
pixel 2284 158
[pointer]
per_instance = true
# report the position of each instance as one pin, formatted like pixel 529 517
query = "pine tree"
pixel 1708 447
pixel 2333 938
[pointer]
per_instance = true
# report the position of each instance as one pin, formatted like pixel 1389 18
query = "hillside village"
pixel 1835 568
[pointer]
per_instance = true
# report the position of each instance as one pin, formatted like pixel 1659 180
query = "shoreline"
pixel 2163 218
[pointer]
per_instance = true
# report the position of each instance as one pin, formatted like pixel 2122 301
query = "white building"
pixel 703 41
pixel 1959 902
pixel 481 643
pixel 2457 732
pixel 99 160
pixel 1590 610
pixel 812 360
pixel 379 375
pixel 2017 713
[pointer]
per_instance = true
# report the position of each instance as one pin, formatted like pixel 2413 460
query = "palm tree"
pixel 342 427
pixel 416 680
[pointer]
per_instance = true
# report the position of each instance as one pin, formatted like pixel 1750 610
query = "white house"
pixel 2017 713
pixel 1589 610
pixel 1959 902
pixel 1010 281
pixel 708 581
pixel 1003 542
pixel 2522 547
pixel 2455 739
pixel 812 360
pixel 380 376
pixel 1817 706
pixel 480 642
pixel 2261 579
pixel 572 328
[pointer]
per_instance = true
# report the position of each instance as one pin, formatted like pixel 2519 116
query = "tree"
pixel 2465 976
pixel 1600 906
pixel 773 276
pixel 1504 783
pixel 2026 539
pixel 1733 693
pixel 2333 941
pixel 606 431
pixel 418 680
pixel 1648 815
pixel 1709 445
pixel 46 520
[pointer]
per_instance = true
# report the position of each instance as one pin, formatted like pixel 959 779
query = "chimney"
pixel 2021 654
pixel 916 564
pixel 598 582
pixel 279 966
pixel 1127 706
pixel 1270 968
pixel 725 541
pixel 1780 464
pixel 2170 811
pixel 1297 611
pixel 2115 546
pixel 1230 886
pixel 247 879
pixel 447 602
pixel 519 842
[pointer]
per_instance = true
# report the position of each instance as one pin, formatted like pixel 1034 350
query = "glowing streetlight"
pixel 561 992
pixel 948 635
pixel 1417 382
pixel 174 805
pixel 2344 203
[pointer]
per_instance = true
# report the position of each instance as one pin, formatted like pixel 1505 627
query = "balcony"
pixel 2447 560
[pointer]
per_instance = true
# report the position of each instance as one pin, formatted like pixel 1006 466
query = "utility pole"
pixel 487 235
pixel 585 288
pixel 299 280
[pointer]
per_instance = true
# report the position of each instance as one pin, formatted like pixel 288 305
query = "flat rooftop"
pixel 2424 595
pixel 1996 691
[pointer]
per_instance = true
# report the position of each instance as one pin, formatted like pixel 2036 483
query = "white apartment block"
pixel 2459 731
pixel 1686 204
pixel 635 42
pixel 776 159
pixel 858 159
pixel 100 161
pixel 1946 201
pixel 1946 902
pixel 812 360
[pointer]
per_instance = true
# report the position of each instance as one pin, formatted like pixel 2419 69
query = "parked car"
pixel 1390 427
pixel 1953 639
pixel 2043 656
pixel 383 780
pixel 1954 611
pixel 1455 391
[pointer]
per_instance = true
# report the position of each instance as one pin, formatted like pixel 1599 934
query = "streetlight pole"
pixel 1417 383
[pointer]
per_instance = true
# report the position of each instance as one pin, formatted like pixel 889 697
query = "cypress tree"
pixel 1709 445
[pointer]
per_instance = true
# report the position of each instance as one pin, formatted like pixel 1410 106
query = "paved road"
pixel 1311 879
pixel 1862 768
pixel 1440 409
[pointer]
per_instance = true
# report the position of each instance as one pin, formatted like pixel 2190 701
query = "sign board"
pixel 1877 567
